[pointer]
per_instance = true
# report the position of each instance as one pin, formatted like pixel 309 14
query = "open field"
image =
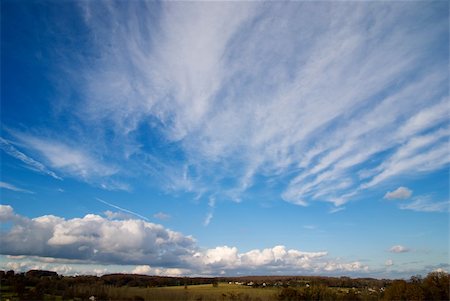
pixel 49 286
pixel 203 292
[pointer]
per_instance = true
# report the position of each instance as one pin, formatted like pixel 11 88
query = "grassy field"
pixel 205 292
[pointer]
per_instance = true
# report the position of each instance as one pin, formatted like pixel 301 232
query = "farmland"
pixel 202 292
pixel 45 285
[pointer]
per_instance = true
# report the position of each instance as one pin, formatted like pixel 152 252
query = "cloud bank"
pixel 152 248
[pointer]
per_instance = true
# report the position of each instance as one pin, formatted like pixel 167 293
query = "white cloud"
pixel 313 100
pixel 117 215
pixel 389 263
pixel 41 263
pixel 68 158
pixel 345 267
pixel 13 188
pixel 420 154
pixel 173 272
pixel 398 249
pixel 210 214
pixel 426 118
pixel 162 216
pixel 6 212
pixel 96 240
pixel 208 218
pixel 147 270
pixel 276 258
pixel 142 270
pixel 336 209
pixel 93 238
pixel 425 204
pixel 111 215
pixel 24 266
pixel 400 193
pixel 71 159
pixel 220 256
pixel 8 148
pixel 257 96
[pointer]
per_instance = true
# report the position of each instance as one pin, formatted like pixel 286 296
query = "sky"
pixel 225 138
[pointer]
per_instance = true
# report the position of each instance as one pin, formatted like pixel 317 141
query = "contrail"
pixel 123 209
pixel 30 162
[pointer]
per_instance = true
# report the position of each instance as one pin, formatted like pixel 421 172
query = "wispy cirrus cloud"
pixel 13 187
pixel 69 159
pixel 8 148
pixel 336 209
pixel 426 204
pixel 335 99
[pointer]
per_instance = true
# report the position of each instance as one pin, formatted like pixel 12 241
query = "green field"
pixel 205 292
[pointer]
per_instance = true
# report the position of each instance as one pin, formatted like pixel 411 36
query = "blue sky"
pixel 225 138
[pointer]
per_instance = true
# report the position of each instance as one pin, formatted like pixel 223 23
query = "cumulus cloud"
pixel 64 267
pixel 270 259
pixel 389 263
pixel 6 213
pixel 24 266
pixel 117 215
pixel 142 270
pixel 400 193
pixel 147 270
pixel 398 249
pixel 152 248
pixel 93 238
